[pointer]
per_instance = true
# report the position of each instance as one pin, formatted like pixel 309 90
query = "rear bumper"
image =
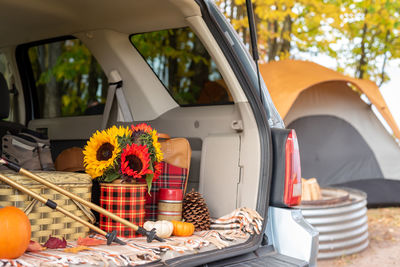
pixel 264 256
pixel 292 235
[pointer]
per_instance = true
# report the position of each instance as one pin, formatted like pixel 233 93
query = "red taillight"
pixel 292 193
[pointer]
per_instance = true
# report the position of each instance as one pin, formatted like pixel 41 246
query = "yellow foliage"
pixel 282 23
pixel 357 32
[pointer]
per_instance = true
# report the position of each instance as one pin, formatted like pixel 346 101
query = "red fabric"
pixel 125 201
pixel 171 177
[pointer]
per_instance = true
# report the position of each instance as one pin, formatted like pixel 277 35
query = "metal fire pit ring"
pixel 342 222
pixel 330 196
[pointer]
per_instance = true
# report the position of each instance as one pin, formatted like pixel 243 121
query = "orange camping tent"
pixel 286 79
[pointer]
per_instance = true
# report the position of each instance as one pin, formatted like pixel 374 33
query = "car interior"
pixel 204 104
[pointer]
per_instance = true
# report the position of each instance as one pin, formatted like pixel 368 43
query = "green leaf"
pixel 149 180
pixel 371 9
pixel 110 177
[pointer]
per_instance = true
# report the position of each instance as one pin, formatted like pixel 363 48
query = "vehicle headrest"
pixel 4 98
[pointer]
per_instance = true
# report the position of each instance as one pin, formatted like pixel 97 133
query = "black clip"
pixel 118 84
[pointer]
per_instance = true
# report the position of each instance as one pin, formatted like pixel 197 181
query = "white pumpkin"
pixel 163 228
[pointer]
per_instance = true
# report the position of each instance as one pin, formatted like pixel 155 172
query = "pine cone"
pixel 195 211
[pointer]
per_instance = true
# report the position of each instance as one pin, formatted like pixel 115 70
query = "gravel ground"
pixel 384 246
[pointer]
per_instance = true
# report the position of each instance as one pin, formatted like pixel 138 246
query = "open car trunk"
pixel 218 167
pixel 220 154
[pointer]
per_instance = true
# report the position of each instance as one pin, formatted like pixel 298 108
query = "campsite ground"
pixel 384 246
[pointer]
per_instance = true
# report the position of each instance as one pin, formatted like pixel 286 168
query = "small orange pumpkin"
pixel 182 228
pixel 15 232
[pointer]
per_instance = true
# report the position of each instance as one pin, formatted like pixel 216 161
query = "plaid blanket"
pixel 138 251
pixel 245 219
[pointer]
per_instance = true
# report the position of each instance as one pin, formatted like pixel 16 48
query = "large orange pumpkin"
pixel 15 232
pixel 182 228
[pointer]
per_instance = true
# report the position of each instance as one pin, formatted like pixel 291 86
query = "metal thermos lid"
pixel 170 194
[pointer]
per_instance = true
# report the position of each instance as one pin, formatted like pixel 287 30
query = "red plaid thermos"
pixel 126 201
pixel 170 204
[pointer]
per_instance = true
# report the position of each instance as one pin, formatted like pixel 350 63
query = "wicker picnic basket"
pixel 45 221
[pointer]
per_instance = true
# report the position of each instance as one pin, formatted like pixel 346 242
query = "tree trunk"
pixel 362 63
pixel 41 59
pixel 93 82
pixel 286 29
pixel 272 42
pixel 173 81
pixel 200 68
pixel 384 59
pixel 52 99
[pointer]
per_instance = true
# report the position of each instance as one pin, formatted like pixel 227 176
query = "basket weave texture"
pixel 44 220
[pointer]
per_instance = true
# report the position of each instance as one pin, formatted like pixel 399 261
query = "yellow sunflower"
pixel 100 153
pixel 119 131
pixel 157 146
pixel 92 172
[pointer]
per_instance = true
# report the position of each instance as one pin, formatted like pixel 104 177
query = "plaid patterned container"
pixel 171 177
pixel 126 201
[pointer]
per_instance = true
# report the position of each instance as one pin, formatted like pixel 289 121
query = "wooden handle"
pixel 43 200
pixel 75 197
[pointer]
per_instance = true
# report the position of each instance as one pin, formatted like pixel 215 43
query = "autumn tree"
pixel 180 61
pixel 285 25
pixel 368 37
pixel 363 35
pixel 68 78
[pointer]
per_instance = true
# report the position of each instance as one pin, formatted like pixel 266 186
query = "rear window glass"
pixel 184 66
pixel 68 79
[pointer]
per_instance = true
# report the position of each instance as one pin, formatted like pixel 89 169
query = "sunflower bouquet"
pixel 132 154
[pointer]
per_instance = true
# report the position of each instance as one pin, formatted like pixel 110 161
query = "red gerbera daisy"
pixel 139 130
pixel 142 127
pixel 157 170
pixel 135 160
